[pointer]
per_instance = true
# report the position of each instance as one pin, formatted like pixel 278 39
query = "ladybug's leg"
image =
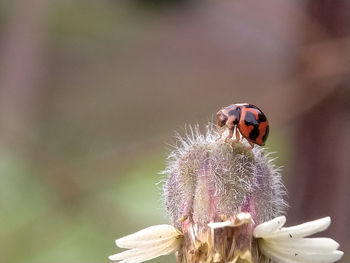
pixel 238 137
pixel 220 131
pixel 251 144
pixel 230 134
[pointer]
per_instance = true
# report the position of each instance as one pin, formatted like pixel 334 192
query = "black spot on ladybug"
pixel 262 117
pixel 266 133
pixel 254 133
pixel 250 120
pixel 236 113
pixel 251 106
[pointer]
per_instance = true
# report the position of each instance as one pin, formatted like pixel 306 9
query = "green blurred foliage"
pixel 90 23
pixel 38 224
pixel 157 4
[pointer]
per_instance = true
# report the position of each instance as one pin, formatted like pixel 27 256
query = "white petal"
pixel 135 252
pixel 156 253
pixel 289 244
pixel 147 236
pixel 301 230
pixel 269 226
pixel 126 254
pixel 215 225
pixel 274 254
pixel 137 255
pixel 326 257
pixel 286 254
pixel 243 218
pixel 321 244
pixel 147 243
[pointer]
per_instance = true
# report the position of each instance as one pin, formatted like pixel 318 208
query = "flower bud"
pixel 210 181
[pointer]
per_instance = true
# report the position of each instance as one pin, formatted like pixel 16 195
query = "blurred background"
pixel 91 93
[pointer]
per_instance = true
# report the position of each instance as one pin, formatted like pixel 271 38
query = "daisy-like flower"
pixel 225 204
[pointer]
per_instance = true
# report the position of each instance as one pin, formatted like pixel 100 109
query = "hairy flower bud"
pixel 208 179
pixel 212 181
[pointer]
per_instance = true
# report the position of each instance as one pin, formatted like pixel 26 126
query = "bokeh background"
pixel 91 92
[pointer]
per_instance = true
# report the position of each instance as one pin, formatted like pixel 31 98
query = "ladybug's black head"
pixel 222 119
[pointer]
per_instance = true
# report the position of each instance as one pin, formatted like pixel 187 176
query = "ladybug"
pixel 248 119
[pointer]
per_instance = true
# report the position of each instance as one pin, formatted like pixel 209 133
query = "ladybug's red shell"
pixel 253 124
pixel 248 119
